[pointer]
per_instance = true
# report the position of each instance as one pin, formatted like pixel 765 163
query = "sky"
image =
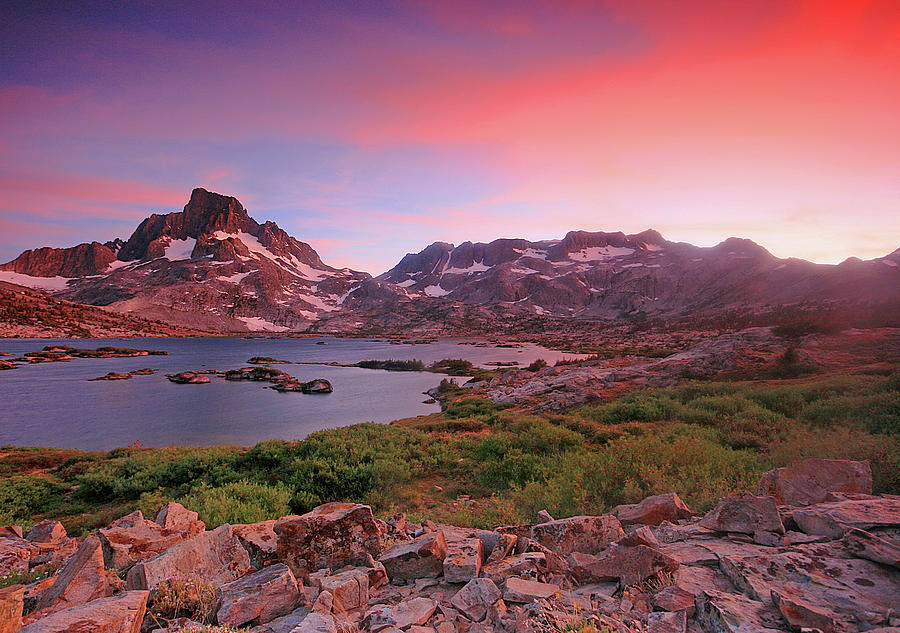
pixel 370 129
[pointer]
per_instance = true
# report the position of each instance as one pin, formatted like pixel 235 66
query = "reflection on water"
pixel 54 404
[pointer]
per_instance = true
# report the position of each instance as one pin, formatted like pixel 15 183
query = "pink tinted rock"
pixel 84 578
pixel 51 532
pixel 833 519
pixel 330 536
pixel 11 600
pixel 118 614
pixel 810 481
pixel 745 514
pixel 258 597
pixel 476 598
pixel 260 541
pixel 653 510
pixel 216 557
pixel 589 534
pixel 420 558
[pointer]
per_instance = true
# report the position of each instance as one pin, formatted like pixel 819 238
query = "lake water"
pixel 55 404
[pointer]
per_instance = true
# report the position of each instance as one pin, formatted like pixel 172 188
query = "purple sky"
pixel 371 129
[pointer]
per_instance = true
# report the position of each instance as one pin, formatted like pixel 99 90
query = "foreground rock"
pixel 83 579
pixel 736 570
pixel 811 480
pixel 653 510
pixel 258 597
pixel 215 557
pixel 11 600
pixel 746 514
pixel 119 614
pixel 330 536
pixel 132 539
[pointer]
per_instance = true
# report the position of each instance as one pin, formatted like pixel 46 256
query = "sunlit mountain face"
pixel 372 130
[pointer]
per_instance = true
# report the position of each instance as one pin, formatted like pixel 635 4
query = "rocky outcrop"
pixel 188 378
pixel 747 514
pixel 215 557
pixel 11 601
pixel 258 597
pixel 78 261
pixel 715 574
pixel 811 480
pixel 330 536
pixel 84 578
pixel 653 510
pixel 132 539
pixel 118 614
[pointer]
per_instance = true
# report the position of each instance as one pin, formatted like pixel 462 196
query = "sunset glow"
pixel 372 129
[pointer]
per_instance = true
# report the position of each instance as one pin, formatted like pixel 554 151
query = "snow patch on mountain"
pixel 599 253
pixel 436 291
pixel 40 283
pixel 179 249
pixel 257 324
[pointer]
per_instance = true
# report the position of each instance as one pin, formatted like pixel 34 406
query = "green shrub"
pixel 238 502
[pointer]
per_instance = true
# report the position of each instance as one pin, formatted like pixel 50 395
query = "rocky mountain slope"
pixel 212 266
pixel 29 313
pixel 812 550
pixel 209 266
pixel 609 275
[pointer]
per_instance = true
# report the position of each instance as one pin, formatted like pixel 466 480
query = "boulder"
pixel 50 532
pixel 667 622
pixel 317 623
pixel 10 531
pixel 800 615
pixel 833 519
pixel 848 590
pixel 408 613
pixel 531 565
pixel 476 598
pixel 413 612
pixel 866 545
pixel 653 510
pixel 420 558
pixel 641 536
pixel 260 541
pixel 132 539
pixel 809 481
pixel 284 624
pixel 587 534
pixel 216 557
pixel 317 385
pixel 118 614
pixel 82 579
pixel 15 553
pixel 463 560
pixel 504 546
pixel 349 588
pixel 674 598
pixel 721 612
pixel 521 590
pixel 258 597
pixel 11 600
pixel 330 536
pixel 175 517
pixel 188 378
pixel 630 565
pixel 744 514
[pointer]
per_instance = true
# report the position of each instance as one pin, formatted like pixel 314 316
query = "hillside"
pixel 29 313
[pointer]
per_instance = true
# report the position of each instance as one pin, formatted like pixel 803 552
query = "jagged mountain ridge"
pixel 608 275
pixel 210 266
pixel 214 267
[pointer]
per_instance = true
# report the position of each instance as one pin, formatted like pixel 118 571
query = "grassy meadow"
pixel 480 464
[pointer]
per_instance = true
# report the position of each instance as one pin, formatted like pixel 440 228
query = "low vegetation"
pixel 479 463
